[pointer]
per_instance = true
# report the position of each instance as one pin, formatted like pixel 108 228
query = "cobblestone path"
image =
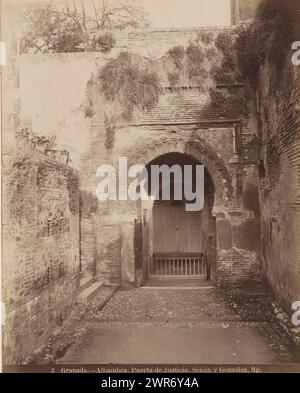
pixel 177 326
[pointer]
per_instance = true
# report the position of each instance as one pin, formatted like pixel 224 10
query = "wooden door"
pixel 176 230
pixel 179 241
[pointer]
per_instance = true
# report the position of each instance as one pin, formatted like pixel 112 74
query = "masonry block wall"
pixel 280 188
pixel 183 116
pixel 223 122
pixel 41 251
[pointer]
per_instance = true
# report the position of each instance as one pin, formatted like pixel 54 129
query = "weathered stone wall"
pixel 280 187
pixel 225 131
pixel 41 250
pixel 242 261
pixel 252 217
pixel 224 122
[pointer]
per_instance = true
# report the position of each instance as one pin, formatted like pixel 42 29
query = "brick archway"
pixel 199 150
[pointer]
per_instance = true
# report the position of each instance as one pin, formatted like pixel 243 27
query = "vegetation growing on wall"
pixel 73 188
pixel 19 178
pixel 177 54
pixel 190 63
pixel 133 83
pixel 210 54
pixel 103 42
pixel 173 78
pixel 110 129
pixel 224 41
pixel 225 72
pixel 88 204
pixel 206 37
pixel 129 83
pixel 267 39
pixel 20 174
pixel 248 56
pixel 195 59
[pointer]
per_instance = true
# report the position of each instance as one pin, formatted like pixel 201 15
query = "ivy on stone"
pixel 129 83
pixel 265 40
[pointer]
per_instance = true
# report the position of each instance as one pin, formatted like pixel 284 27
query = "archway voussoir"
pixel 200 150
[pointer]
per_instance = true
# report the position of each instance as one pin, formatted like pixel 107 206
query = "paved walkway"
pixel 177 326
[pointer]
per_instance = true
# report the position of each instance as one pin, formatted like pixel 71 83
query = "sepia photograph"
pixel 150 188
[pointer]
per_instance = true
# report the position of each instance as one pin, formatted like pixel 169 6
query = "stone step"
pixel 85 282
pixel 87 294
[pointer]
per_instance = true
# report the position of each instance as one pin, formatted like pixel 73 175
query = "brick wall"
pixel 41 250
pixel 280 188
pixel 188 114
pixel 226 130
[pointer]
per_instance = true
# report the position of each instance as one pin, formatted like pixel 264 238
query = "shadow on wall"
pixel 251 199
pixel 138 245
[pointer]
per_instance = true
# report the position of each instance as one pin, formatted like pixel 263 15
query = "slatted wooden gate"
pixel 178 266
pixel 178 242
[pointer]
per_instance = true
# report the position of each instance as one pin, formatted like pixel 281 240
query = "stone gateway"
pixel 197 101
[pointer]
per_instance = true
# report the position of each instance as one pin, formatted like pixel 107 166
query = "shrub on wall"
pixel 222 77
pixel 177 54
pixel 227 72
pixel 206 37
pixel 132 85
pixel 267 39
pixel 210 53
pixel 224 41
pixel 173 78
pixel 195 59
pixel 249 58
pixel 104 42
